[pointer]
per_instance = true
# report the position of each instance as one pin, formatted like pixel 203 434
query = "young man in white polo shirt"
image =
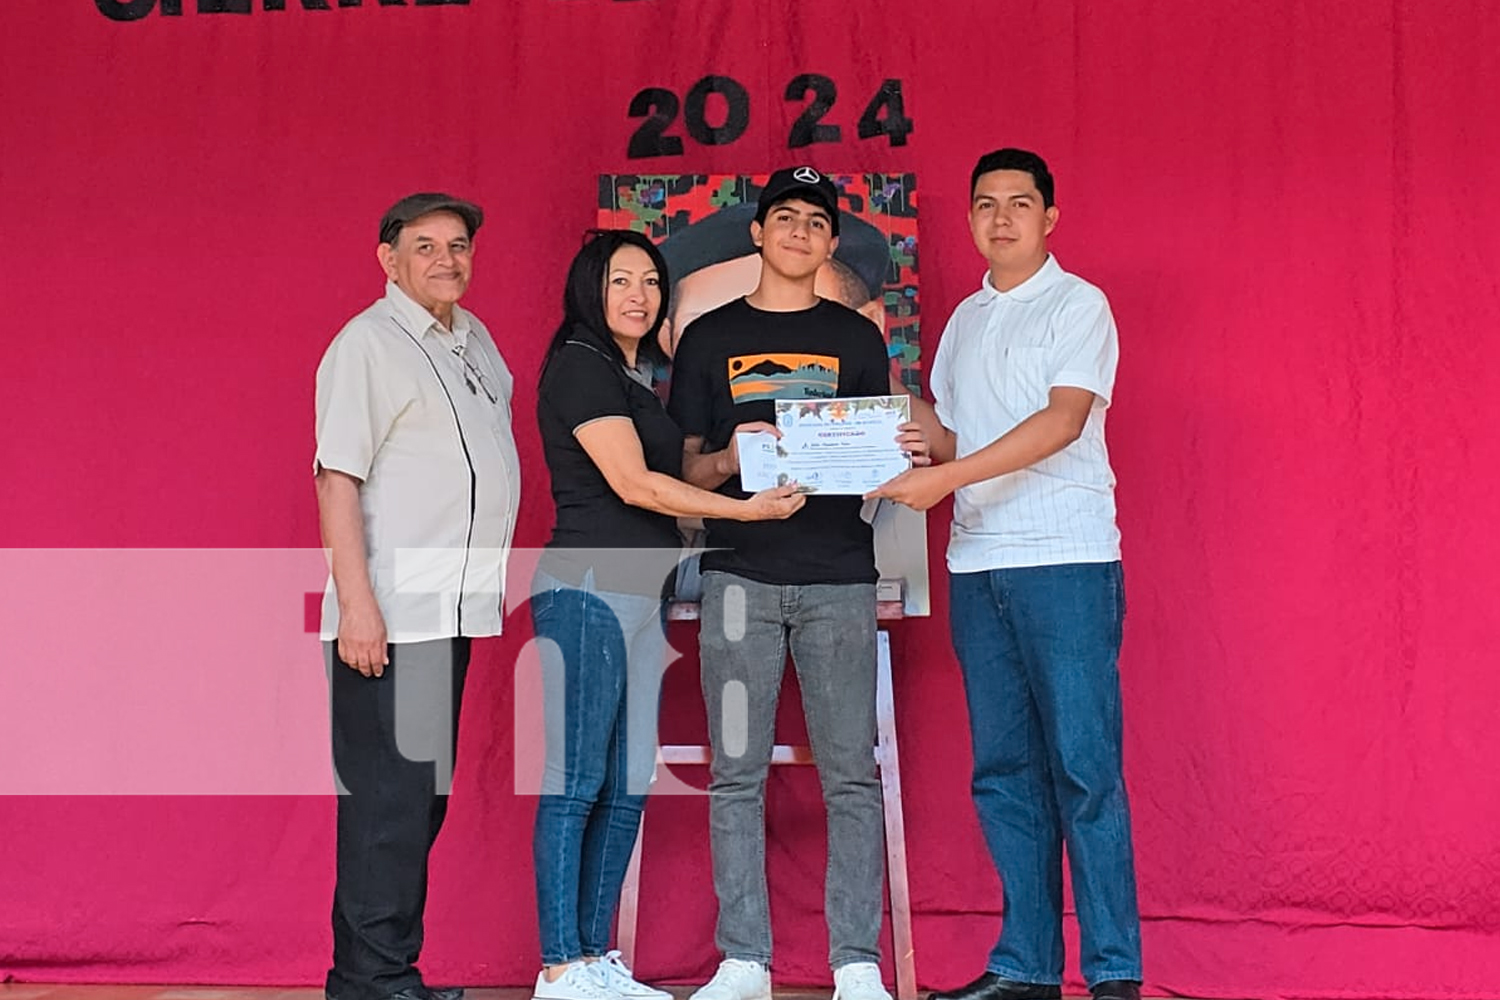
pixel 1020 384
pixel 418 482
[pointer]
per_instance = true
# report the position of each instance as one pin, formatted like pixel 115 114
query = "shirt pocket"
pixel 1021 377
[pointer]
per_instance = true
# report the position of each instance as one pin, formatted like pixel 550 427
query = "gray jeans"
pixel 746 629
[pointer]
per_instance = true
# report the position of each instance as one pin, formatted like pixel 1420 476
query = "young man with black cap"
pixel 418 482
pixel 713 261
pixel 806 584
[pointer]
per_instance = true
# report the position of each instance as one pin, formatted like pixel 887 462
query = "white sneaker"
pixel 616 976
pixel 576 983
pixel 858 981
pixel 736 980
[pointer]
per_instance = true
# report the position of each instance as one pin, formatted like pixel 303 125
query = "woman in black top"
pixel 615 457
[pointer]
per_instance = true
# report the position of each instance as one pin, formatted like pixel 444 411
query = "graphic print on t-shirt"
pixel 755 377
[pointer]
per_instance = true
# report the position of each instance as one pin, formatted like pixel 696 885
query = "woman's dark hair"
pixel 583 297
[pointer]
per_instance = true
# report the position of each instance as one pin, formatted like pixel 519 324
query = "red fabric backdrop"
pixel 1292 205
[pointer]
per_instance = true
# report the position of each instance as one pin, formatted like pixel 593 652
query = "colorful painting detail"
pixel 701 222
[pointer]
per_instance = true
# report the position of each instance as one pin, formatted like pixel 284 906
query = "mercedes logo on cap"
pixel 807 175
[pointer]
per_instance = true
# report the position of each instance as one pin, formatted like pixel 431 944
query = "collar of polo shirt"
pixel 1045 277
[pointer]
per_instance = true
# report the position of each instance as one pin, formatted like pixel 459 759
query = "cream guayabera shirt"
pixel 422 417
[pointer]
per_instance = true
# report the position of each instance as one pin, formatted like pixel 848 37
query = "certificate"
pixel 836 446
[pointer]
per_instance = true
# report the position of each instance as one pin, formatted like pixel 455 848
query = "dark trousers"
pixel 394 741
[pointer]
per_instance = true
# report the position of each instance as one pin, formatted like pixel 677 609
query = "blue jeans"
pixel 745 633
pixel 601 683
pixel 1038 648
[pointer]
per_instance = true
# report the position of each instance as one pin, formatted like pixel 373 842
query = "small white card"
pixel 835 446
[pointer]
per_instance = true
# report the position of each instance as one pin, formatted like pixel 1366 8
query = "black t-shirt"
pixel 731 366
pixel 581 384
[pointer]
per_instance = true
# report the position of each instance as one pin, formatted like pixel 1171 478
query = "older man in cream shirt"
pixel 417 483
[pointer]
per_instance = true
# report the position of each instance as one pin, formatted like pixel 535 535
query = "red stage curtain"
pixel 1293 206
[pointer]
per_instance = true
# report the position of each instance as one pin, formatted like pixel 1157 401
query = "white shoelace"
pixel 735 971
pixel 860 978
pixel 616 976
pixel 581 981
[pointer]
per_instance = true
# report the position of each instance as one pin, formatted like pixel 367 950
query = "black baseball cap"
pixel 414 206
pixel 799 182
pixel 725 235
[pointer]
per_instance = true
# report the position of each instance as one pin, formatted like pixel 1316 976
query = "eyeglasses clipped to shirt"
pixel 474 375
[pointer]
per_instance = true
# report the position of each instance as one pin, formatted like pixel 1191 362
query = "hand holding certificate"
pixel 834 446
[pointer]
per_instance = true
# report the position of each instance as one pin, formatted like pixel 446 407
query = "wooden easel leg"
pixel 630 895
pixel 895 823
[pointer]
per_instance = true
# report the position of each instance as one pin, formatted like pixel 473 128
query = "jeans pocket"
pixel 542 603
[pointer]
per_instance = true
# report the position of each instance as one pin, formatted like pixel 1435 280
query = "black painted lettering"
pixel 736 113
pixel 659 106
pixel 125 10
pixel 136 10
pixel 808 127
pixel 886 115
